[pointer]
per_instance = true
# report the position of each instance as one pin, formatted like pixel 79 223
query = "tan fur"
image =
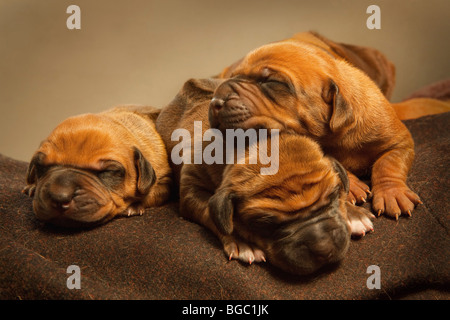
pixel 91 143
pixel 263 216
pixel 300 86
pixel 419 107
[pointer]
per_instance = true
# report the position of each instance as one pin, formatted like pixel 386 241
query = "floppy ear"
pixel 146 176
pixel 221 210
pixel 371 61
pixel 33 167
pixel 341 112
pixel 342 173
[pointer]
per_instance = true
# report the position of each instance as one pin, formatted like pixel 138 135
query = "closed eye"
pixel 112 175
pixel 277 84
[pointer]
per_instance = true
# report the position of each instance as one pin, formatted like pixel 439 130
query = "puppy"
pixel 369 60
pixel 297 218
pixel 94 167
pixel 300 85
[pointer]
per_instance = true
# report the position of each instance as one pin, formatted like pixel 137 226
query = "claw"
pixel 379 212
pixel 396 217
pixel 363 199
pixel 408 212
pixel 231 256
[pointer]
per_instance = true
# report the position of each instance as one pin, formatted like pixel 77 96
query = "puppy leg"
pixel 194 205
pixel 359 220
pixel 135 209
pixel 239 250
pixel 359 191
pixel 391 195
pixel 158 195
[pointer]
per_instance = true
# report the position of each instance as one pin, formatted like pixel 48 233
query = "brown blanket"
pixel 162 256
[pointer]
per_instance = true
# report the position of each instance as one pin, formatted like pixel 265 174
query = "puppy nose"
pixel 323 251
pixel 61 197
pixel 217 103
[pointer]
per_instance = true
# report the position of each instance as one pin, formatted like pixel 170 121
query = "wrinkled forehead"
pixel 286 55
pixel 81 144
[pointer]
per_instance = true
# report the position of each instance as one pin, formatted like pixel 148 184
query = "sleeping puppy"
pixel 93 167
pixel 297 218
pixel 301 85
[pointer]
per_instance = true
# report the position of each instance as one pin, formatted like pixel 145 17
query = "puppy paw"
pixel 359 191
pixel 135 209
pixel 394 199
pixel 239 250
pixel 29 190
pixel 359 220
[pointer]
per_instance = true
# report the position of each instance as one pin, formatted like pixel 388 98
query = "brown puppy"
pixel 94 167
pixel 371 61
pixel 297 217
pixel 300 86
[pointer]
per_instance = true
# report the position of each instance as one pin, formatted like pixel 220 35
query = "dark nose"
pixel 61 195
pixel 217 103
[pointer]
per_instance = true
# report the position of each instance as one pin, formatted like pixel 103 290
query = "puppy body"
pixel 419 107
pixel 301 87
pixel 93 167
pixel 296 219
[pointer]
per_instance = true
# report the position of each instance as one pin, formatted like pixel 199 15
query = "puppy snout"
pixel 61 197
pixel 323 251
pixel 313 246
pixel 227 109
pixel 217 104
pixel 61 190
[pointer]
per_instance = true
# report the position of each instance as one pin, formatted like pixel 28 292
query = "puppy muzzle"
pixel 66 196
pixel 227 110
pixel 306 246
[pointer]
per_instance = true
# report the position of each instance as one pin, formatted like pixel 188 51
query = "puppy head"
pixel 85 174
pixel 291 86
pixel 296 216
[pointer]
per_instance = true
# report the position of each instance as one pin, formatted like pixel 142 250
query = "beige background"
pixel 142 51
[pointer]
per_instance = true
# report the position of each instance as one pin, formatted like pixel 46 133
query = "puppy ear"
pixel 221 210
pixel 33 167
pixel 371 61
pixel 342 173
pixel 146 176
pixel 341 112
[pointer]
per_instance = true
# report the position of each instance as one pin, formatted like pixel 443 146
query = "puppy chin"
pixel 86 216
pixel 312 246
pixel 255 122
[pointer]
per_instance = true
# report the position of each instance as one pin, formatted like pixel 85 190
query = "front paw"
pixel 239 250
pixel 29 190
pixel 359 191
pixel 394 199
pixel 135 209
pixel 359 220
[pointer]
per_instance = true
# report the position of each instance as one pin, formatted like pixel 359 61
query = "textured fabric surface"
pixel 162 256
